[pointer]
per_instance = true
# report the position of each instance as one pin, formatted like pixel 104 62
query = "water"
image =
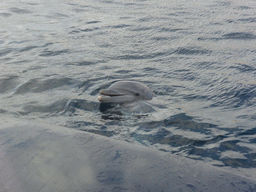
pixel 199 58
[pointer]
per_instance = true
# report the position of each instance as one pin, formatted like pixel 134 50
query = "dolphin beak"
pixel 113 96
pixel 111 93
pixel 116 99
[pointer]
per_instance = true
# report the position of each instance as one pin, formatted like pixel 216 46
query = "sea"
pixel 197 56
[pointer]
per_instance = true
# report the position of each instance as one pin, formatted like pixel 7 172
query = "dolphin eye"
pixel 137 94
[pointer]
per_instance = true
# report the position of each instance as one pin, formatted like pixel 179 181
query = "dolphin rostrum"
pixel 125 92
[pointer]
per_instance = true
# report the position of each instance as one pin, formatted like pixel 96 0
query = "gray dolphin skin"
pixel 125 92
pixel 42 157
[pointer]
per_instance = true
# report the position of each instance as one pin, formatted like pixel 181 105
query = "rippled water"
pixel 199 58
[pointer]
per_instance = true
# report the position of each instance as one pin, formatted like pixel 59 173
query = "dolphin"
pixel 122 92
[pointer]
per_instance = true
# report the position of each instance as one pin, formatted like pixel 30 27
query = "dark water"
pixel 199 58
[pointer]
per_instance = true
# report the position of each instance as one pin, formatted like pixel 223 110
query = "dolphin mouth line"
pixel 114 95
pixel 102 92
pixel 116 98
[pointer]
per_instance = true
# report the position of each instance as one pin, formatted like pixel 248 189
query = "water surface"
pixel 197 56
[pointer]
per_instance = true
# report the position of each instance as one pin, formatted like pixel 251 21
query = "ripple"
pixel 6 14
pixel 164 90
pixel 93 22
pixel 140 56
pixel 5 52
pixel 86 63
pixel 63 106
pixel 37 86
pixel 119 26
pixel 243 67
pixel 236 97
pixel 28 48
pixel 8 83
pixel 20 11
pixel 47 53
pixel 76 31
pixel 124 71
pixel 55 107
pixel 166 29
pixel 79 10
pixel 192 51
pixel 2 111
pixel 239 35
pixel 243 7
pixel 250 19
pixel 140 28
pixel 83 104
pixel 248 132
pixel 181 121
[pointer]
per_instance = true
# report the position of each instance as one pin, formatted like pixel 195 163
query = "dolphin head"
pixel 125 92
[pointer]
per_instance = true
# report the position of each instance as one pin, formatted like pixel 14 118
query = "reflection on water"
pixel 198 57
